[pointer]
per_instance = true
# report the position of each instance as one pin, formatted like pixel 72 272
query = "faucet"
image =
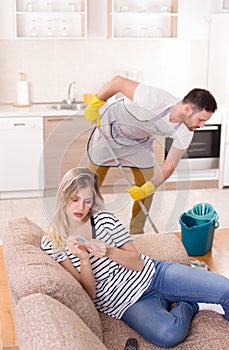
pixel 70 100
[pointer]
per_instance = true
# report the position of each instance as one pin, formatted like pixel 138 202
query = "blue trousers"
pixel 163 324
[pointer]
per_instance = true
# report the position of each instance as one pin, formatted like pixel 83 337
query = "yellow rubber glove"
pixel 139 193
pixel 92 110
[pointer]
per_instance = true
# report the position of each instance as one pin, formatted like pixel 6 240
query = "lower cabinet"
pixel 21 145
pixel 65 141
pixel 65 147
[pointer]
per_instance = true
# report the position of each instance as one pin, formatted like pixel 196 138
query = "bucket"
pixel 197 229
pixel 202 213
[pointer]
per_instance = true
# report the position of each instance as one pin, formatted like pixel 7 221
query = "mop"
pixel 119 165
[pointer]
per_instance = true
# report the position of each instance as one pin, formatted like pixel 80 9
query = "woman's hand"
pixel 127 255
pixel 85 276
pixel 97 248
pixel 78 249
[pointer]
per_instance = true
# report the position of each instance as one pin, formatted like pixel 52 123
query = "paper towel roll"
pixel 22 92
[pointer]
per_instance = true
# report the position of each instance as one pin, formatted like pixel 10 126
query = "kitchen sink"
pixel 73 106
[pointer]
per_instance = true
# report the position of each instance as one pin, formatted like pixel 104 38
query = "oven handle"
pixel 208 128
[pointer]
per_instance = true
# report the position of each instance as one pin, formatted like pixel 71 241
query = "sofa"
pixel 52 311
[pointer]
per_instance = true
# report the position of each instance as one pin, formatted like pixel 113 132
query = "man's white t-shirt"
pixel 130 128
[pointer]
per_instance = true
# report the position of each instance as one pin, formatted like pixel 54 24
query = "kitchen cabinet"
pixel 64 19
pixel 21 146
pixel 224 153
pixel 7 20
pixel 50 19
pixel 65 147
pixel 218 83
pixel 97 24
pixel 145 19
pixel 161 18
pixel 218 62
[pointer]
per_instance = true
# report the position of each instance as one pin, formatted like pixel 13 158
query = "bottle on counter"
pixel 22 92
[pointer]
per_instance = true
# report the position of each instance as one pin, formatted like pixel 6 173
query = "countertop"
pixel 37 110
pixel 46 110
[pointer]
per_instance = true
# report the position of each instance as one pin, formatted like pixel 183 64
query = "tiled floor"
pixel 165 210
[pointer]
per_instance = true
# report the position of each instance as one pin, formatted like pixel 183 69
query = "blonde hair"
pixel 74 180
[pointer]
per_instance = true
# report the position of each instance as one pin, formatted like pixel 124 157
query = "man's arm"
pixel 161 174
pixel 118 84
pixel 165 171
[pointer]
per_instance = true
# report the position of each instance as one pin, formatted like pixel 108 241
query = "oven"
pixel 204 150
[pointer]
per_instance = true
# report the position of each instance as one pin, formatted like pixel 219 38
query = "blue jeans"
pixel 163 324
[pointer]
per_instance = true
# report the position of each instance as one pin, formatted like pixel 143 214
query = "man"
pixel 131 124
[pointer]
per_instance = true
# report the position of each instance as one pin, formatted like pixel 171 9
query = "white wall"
pixel 50 65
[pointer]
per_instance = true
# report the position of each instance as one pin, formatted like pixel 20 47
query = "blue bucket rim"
pixel 208 223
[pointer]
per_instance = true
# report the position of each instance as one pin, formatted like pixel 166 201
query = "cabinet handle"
pixel 58 119
pixel 19 124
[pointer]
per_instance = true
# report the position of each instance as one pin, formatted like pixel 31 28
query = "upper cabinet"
pixel 7 20
pixel 186 19
pixel 50 19
pixel 81 19
pixel 143 19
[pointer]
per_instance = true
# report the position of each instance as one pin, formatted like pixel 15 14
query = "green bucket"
pixel 197 229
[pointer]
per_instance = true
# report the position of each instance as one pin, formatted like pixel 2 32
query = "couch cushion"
pixel 163 246
pixel 116 333
pixel 30 270
pixel 209 331
pixel 43 323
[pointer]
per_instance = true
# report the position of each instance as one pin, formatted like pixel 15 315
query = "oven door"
pixel 203 152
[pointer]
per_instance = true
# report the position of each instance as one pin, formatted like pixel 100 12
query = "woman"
pixel 156 298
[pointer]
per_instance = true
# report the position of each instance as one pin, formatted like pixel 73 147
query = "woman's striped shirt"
pixel 117 287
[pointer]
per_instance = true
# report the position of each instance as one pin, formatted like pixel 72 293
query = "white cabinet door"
pixel 6 19
pixel 224 151
pixel 224 180
pixel 97 18
pixel 226 165
pixel 218 83
pixel 218 66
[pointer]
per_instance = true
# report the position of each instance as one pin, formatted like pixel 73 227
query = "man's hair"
pixel 201 99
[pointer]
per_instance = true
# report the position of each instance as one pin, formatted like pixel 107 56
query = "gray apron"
pixel 130 138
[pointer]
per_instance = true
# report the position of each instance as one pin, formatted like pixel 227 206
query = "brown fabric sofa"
pixel 52 311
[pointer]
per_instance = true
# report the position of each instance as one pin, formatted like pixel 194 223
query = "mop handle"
pixel 119 165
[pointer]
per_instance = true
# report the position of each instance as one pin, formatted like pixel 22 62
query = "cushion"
pixel 44 323
pixel 163 246
pixel 209 331
pixel 30 270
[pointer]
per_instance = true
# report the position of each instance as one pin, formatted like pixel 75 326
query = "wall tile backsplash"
pixel 50 65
